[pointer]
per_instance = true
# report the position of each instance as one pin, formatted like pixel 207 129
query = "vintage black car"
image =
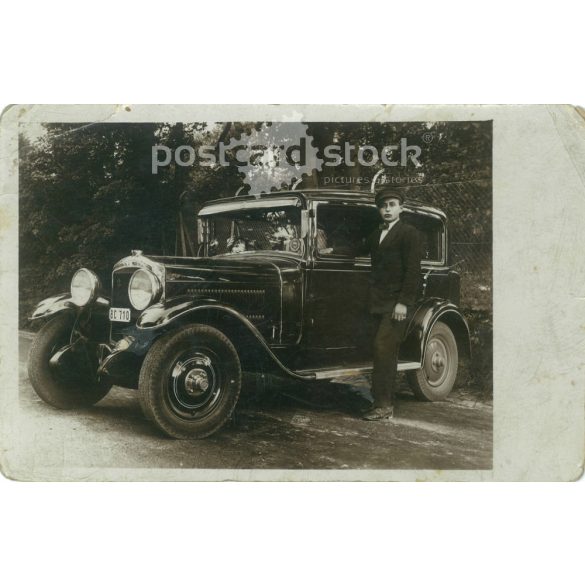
pixel 279 287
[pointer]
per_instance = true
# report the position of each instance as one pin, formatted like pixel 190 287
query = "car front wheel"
pixel 190 382
pixel 64 378
pixel 436 378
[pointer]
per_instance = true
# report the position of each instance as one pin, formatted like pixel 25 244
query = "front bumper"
pixel 121 360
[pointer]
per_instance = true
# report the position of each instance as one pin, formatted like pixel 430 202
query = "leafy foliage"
pixel 87 196
pixel 87 193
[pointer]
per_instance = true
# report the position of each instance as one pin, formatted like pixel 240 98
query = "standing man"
pixel 396 255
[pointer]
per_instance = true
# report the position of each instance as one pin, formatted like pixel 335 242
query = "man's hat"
pixel 389 193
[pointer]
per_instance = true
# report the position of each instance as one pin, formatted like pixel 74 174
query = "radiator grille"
pixel 120 282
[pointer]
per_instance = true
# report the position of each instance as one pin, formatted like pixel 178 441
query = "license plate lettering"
pixel 122 315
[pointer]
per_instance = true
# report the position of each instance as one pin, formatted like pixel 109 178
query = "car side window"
pixel 431 234
pixel 342 229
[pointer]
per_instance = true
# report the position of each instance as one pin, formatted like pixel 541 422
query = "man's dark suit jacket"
pixel 395 273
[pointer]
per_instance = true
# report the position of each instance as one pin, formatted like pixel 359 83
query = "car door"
pixel 337 317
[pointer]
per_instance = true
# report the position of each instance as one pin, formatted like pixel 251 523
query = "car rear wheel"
pixel 436 378
pixel 190 382
pixel 64 379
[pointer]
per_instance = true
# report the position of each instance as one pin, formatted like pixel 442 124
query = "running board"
pixel 342 372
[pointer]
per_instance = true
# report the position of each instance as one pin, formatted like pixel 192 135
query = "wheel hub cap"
pixel 436 362
pixel 196 382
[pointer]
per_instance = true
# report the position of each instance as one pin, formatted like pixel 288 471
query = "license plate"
pixel 122 315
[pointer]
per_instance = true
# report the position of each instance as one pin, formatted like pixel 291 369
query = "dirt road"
pixel 290 427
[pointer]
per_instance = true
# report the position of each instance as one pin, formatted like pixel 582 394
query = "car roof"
pixel 346 196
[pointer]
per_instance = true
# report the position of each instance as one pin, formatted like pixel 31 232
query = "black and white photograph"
pixel 257 295
pixel 294 293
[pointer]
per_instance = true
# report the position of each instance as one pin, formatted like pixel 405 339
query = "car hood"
pixel 243 264
pixel 265 288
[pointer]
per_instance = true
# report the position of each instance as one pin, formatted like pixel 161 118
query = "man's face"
pixel 390 209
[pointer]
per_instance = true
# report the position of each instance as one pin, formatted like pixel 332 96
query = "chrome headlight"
pixel 144 289
pixel 85 286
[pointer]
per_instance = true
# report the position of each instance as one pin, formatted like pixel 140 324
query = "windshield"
pixel 249 230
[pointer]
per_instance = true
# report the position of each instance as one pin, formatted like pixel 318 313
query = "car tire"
pixel 436 378
pixel 190 382
pixel 66 387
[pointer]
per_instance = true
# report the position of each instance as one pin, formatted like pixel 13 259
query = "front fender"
pixel 164 317
pixel 59 303
pixel 426 315
pixel 161 314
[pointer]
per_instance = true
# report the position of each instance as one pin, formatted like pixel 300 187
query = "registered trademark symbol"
pixel 428 137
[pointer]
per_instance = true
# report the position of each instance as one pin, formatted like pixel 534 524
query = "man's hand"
pixel 399 313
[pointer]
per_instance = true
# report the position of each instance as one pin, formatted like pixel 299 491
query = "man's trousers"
pixel 387 339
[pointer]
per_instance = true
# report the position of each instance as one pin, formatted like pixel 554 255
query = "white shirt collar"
pixel 385 231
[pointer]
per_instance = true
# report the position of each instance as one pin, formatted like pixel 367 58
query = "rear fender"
pixel 427 314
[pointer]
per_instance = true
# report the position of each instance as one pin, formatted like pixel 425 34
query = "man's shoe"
pixel 379 413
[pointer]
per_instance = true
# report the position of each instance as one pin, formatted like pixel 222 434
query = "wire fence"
pixel 468 205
